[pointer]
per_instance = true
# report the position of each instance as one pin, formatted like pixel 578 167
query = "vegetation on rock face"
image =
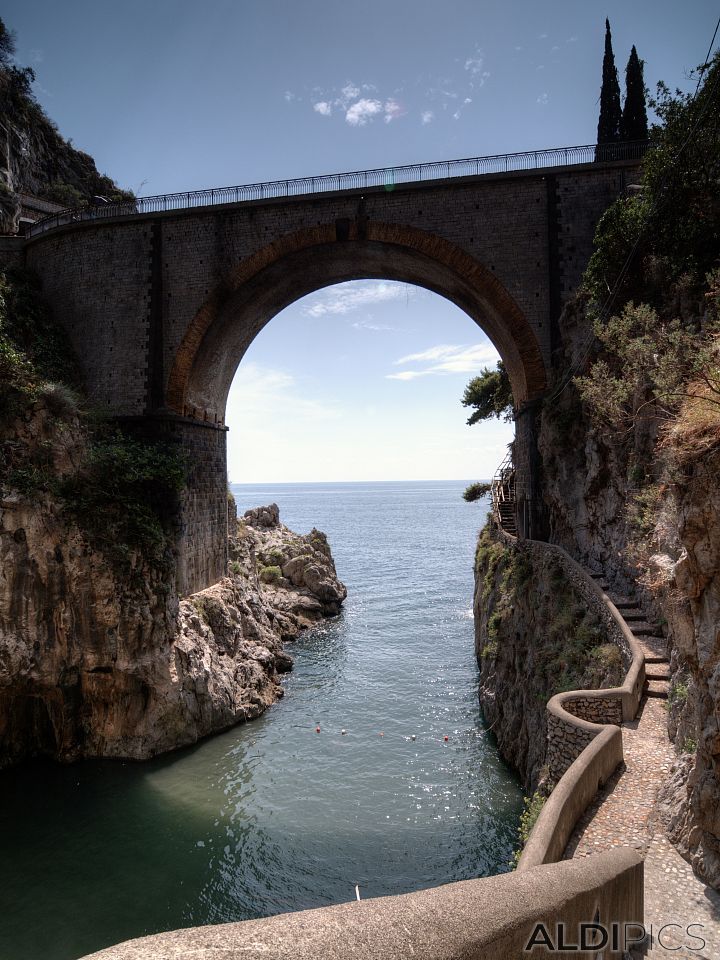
pixel 657 252
pixel 573 653
pixel 476 491
pixel 32 350
pixel 122 491
pixel 532 808
pixel 40 161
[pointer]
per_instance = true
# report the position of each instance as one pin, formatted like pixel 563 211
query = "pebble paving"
pixel 622 816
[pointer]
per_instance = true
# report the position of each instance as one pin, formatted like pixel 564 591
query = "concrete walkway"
pixel 621 816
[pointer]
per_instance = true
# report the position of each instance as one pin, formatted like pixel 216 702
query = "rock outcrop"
pixel 95 663
pixel 535 636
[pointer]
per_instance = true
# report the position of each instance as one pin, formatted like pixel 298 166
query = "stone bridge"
pixel 161 298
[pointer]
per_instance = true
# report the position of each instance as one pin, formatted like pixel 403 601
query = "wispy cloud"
pixel 258 389
pixel 345 297
pixel 474 65
pixel 393 110
pixel 543 99
pixel 323 108
pixel 427 116
pixel 444 359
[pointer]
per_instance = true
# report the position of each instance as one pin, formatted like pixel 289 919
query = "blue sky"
pixel 175 95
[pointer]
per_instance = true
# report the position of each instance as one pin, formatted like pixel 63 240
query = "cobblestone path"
pixel 621 816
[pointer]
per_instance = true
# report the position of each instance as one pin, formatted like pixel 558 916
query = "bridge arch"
pixel 299 263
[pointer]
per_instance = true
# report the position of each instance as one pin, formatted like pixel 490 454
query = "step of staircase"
pixel 624 603
pixel 637 616
pixel 654 649
pixel 657 688
pixel 657 670
pixel 641 628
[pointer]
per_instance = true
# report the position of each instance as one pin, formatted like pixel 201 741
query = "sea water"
pixel 271 815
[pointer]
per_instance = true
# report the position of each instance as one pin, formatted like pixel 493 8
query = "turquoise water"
pixel 272 816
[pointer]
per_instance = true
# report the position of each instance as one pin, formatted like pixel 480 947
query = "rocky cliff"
pixel 104 660
pixel 35 158
pixel 534 637
pixel 633 503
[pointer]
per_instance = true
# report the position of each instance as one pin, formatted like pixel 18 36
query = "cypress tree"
pixel 633 124
pixel 610 112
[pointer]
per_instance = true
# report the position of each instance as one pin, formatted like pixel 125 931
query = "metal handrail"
pixel 503 486
pixel 382 177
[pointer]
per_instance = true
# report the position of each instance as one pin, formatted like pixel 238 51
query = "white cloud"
pixel 543 99
pixel 393 110
pixel 447 358
pixel 474 65
pixel 362 112
pixel 456 115
pixel 543 36
pixel 323 108
pixel 349 92
pixel 407 375
pixel 427 116
pixel 345 297
pixel 467 100
pixel 571 40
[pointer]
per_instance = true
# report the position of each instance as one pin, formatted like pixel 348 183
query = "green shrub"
pixel 270 574
pixel 532 807
pixel 476 491
pixel 126 496
pixel 678 692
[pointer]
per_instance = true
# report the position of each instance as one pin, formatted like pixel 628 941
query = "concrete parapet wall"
pixel 489 919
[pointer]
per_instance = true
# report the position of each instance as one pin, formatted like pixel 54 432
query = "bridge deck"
pixel 383 178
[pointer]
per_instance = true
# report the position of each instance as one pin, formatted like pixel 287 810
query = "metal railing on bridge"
pixel 384 177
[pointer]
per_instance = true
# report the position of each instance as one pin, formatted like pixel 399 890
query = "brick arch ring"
pixel 412 255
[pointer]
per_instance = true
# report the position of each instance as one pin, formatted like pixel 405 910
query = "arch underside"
pixel 297 265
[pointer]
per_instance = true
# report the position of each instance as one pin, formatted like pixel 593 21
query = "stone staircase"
pixel 648 635
pixel 506 511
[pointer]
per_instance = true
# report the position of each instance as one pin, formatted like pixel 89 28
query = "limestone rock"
pixel 99 663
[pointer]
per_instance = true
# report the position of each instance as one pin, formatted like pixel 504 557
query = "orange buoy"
pixel 446 737
pixel 382 734
pixel 317 730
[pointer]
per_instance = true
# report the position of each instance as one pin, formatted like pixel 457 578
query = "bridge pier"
pixel 202 524
pixel 529 516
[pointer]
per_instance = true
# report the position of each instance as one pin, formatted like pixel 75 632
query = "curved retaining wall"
pixel 584 736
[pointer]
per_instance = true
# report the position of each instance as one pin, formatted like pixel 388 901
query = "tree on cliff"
pixel 610 112
pixel 633 123
pixel 7 44
pixel 489 394
pixel 670 231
